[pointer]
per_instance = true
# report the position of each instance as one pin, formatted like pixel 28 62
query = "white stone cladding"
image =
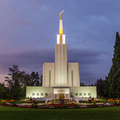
pixel 61 73
pixel 75 92
pixel 48 74
pixel 38 91
pixel 61 77
pixel 73 75
pixel 61 65
pixel 84 91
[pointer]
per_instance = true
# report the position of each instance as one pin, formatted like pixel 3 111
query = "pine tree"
pixel 113 79
pixel 100 87
pixel 14 81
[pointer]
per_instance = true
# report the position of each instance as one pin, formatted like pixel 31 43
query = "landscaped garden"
pixel 102 113
pixel 101 109
pixel 58 105
pixel 91 109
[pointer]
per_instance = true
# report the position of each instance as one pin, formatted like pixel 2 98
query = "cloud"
pixel 26 59
pixel 33 60
pixel 84 57
pixel 22 23
pixel 90 31
pixel 5 4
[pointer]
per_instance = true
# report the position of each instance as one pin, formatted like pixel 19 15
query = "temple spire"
pixel 61 25
pixel 61 36
pixel 61 14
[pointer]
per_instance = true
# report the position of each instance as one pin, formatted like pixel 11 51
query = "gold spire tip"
pixel 61 14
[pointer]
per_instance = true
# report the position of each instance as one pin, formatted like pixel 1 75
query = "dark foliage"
pixel 100 87
pixel 16 83
pixel 112 81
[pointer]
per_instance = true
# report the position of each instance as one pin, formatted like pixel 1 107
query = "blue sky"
pixel 28 31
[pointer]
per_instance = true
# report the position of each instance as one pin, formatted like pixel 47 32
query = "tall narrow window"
pixel 80 94
pixel 49 77
pixel 72 77
pixel 46 94
pixel 89 94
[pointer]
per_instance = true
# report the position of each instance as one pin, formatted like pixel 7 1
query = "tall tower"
pixel 61 74
pixel 61 57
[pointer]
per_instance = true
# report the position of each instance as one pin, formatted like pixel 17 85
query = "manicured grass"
pixel 104 113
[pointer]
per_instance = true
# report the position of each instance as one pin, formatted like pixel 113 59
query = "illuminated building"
pixel 61 77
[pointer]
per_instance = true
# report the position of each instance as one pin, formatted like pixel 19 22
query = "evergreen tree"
pixel 3 92
pixel 113 79
pixel 34 79
pixel 15 81
pixel 82 84
pixel 100 87
pixel 106 87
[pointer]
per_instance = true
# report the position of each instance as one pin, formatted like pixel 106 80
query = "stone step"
pixel 62 101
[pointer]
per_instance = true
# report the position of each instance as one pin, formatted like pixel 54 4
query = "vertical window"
pixel 71 94
pixel 58 39
pixel 37 94
pixel 72 77
pixel 46 94
pixel 80 94
pixel 33 94
pixel 76 94
pixel 63 39
pixel 41 94
pixel 89 94
pixel 49 77
pixel 84 94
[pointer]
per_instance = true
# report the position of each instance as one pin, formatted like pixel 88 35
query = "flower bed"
pixel 54 105
pixel 34 104
pixel 63 105
pixel 112 100
pixel 5 101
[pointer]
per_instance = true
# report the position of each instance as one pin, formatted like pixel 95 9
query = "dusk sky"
pixel 29 28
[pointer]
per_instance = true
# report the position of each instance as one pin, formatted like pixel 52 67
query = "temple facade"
pixel 61 78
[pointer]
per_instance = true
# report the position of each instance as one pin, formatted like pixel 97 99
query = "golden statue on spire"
pixel 61 14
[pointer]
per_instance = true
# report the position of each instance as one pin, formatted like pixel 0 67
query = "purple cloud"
pixel 33 61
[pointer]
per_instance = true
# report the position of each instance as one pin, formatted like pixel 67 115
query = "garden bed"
pixel 59 106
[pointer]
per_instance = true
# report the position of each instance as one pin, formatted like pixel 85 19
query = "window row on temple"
pixel 39 94
pixel 82 94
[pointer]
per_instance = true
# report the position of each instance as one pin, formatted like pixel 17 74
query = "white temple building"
pixel 61 77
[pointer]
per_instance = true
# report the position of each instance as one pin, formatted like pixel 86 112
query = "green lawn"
pixel 105 113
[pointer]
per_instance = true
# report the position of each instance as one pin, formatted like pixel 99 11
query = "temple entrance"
pixel 61 95
pixel 61 92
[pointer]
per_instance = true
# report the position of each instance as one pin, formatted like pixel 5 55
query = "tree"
pixel 112 82
pixel 34 79
pixel 100 87
pixel 15 81
pixel 18 80
pixel 82 84
pixel 3 91
pixel 106 87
